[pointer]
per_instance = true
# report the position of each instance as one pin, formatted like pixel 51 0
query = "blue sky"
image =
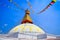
pixel 49 20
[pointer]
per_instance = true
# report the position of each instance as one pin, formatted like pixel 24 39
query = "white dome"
pixel 27 28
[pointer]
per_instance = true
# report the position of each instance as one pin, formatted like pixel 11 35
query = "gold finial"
pixel 27 18
pixel 27 11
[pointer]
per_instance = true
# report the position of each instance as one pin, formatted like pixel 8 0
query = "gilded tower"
pixel 27 18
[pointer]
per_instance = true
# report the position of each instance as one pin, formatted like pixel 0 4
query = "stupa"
pixel 27 25
pixel 27 29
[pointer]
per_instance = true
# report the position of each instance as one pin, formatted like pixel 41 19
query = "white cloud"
pixel 5 25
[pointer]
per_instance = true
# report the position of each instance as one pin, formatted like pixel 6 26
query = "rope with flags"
pixel 50 4
pixel 29 4
pixel 11 1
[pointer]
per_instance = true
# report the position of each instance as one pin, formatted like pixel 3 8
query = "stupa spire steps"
pixel 27 11
pixel 27 18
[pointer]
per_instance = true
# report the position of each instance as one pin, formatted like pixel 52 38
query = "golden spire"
pixel 27 18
